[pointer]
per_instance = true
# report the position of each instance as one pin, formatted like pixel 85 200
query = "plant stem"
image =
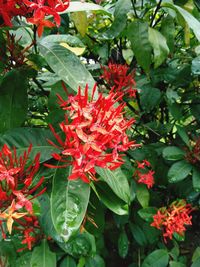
pixel 156 11
pixel 134 9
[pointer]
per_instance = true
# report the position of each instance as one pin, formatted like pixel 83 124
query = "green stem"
pixel 156 11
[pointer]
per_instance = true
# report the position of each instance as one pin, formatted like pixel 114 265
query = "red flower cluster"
pixel 17 189
pixel 35 11
pixel 116 76
pixel 95 133
pixel 143 174
pixel 173 219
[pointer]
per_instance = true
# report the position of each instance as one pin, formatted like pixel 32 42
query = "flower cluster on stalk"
pixel 173 219
pixel 17 192
pixel 34 11
pixel 117 77
pixel 143 174
pixel 94 133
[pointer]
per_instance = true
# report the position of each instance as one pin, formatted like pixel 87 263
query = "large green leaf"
pixel 150 97
pixel 123 244
pixel 168 30
pixel 42 256
pixel 63 38
pixel 138 35
pixel 159 44
pixel 117 182
pixel 158 258
pixel 69 201
pixel 173 153
pixel 142 194
pixel 21 138
pixel 179 171
pixel 68 262
pixel 110 200
pixel 66 65
pixel 193 23
pixel 13 100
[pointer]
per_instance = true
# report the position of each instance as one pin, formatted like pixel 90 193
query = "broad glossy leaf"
pixel 173 153
pixel 69 201
pixel 142 195
pixel 196 263
pixel 13 100
pixel 196 254
pixel 160 48
pixel 158 258
pixel 66 65
pixel 117 182
pixel 42 256
pixel 109 199
pixel 179 171
pixel 196 179
pixel 24 260
pixel 21 138
pixel 193 23
pixel 71 40
pixel 138 35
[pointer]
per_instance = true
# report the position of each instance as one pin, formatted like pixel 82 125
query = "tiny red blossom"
pixel 117 77
pixel 143 174
pixel 173 219
pixel 95 133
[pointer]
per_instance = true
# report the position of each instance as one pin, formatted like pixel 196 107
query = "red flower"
pixel 143 174
pixel 173 219
pixel 16 189
pixel 116 76
pixel 95 134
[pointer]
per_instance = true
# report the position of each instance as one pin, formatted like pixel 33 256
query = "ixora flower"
pixel 16 188
pixel 117 76
pixel 173 219
pixel 94 133
pixel 35 12
pixel 143 174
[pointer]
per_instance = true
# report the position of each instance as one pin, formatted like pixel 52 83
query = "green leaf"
pixel 193 23
pixel 196 254
pixel 42 256
pixel 109 199
pixel 173 153
pixel 77 6
pixel 13 100
pixel 120 17
pixel 196 263
pixel 138 35
pixel 160 48
pixel 68 262
pixel 196 179
pixel 168 31
pixel 176 264
pixel 21 138
pixel 96 261
pixel 183 134
pixel 138 234
pixel 123 244
pixel 158 258
pixel 150 97
pixel 196 65
pixel 179 171
pixel 80 21
pixel 147 213
pixel 69 201
pixel 24 260
pixel 63 61
pixel 71 40
pixel 117 181
pixel 142 194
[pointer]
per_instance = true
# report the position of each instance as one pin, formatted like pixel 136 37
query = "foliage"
pixel 99 133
